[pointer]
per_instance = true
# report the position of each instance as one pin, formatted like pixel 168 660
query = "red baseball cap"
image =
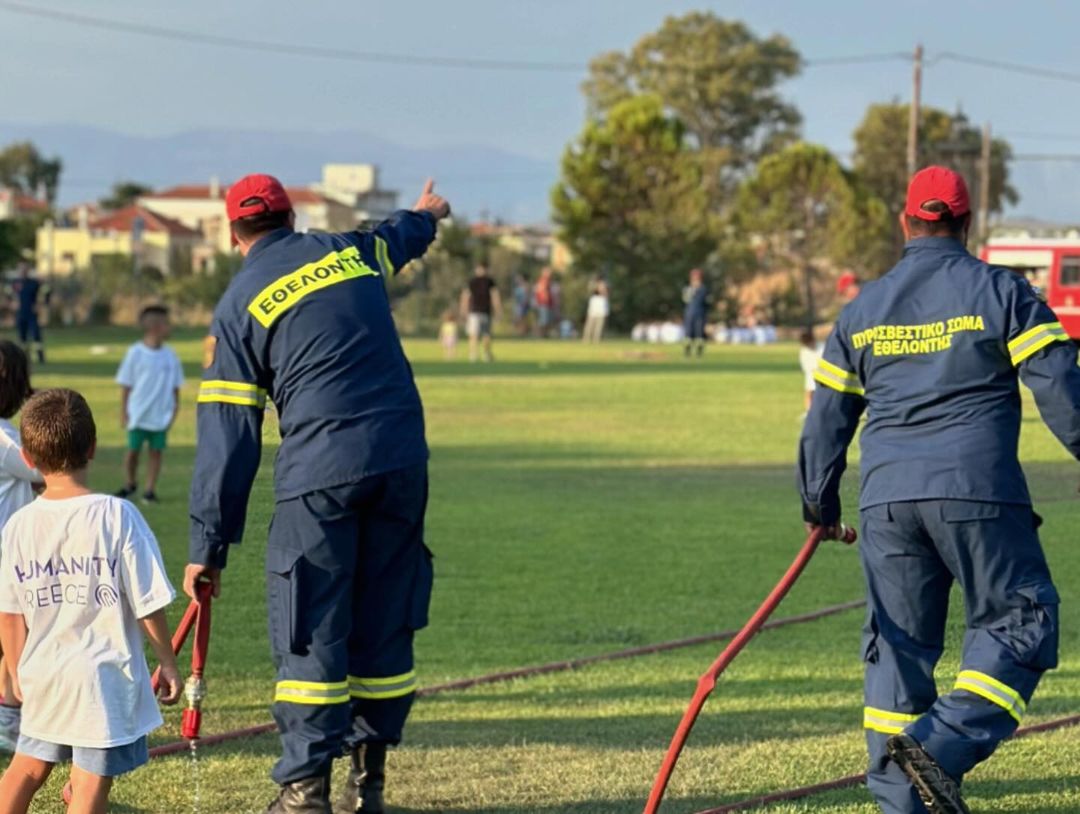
pixel 937 184
pixel 255 194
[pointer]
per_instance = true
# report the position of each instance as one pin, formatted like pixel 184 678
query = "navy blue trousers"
pixel 911 553
pixel 348 583
pixel 28 327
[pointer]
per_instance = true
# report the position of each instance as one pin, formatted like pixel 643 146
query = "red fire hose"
pixel 707 682
pixel 196 616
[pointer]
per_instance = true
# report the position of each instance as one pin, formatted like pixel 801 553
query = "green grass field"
pixel 586 500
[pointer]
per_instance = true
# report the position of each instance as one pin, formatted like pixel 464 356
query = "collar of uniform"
pixel 267 240
pixel 938 244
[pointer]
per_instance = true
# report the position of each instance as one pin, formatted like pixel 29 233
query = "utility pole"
pixel 913 112
pixel 984 185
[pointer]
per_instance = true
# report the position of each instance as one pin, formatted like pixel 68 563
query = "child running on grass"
pixel 17 482
pixel 81 582
pixel 150 379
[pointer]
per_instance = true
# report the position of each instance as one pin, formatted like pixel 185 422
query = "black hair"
pixel 14 378
pixel 948 225
pixel 254 225
pixel 153 311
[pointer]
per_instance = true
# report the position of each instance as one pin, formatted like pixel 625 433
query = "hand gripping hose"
pixel 707 682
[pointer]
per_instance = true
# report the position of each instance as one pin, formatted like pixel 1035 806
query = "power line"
pixel 321 52
pixel 1011 67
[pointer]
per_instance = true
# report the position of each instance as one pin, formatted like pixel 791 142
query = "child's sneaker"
pixel 10 718
pixel 125 491
pixel 150 497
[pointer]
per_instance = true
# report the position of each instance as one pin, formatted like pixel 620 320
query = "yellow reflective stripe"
pixel 1035 339
pixel 224 392
pixel 382 254
pixel 837 378
pixel 312 693
pixel 286 291
pixel 383 687
pixel 993 691
pixel 886 721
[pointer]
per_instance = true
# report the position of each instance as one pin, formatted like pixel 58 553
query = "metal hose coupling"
pixel 191 719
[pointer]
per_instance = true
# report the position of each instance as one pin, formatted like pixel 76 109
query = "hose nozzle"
pixel 191 719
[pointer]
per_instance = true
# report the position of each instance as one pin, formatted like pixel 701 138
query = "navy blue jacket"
pixel 933 352
pixel 307 324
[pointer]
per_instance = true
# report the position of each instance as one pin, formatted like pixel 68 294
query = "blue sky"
pixel 56 72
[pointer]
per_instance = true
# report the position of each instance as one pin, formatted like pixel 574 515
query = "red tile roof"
pixel 121 221
pixel 298 195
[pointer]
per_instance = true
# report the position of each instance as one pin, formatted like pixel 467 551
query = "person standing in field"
pixel 934 352
pixel 596 314
pixel 82 673
pixel 480 306
pixel 696 301
pixel 521 305
pixel 307 323
pixel 448 335
pixel 18 481
pixel 809 354
pixel 542 298
pixel 28 289
pixel 150 378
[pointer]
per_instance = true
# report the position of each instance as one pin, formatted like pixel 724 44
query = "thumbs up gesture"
pixel 430 202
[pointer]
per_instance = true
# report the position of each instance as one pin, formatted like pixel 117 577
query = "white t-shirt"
pixel 154 375
pixel 82 572
pixel 808 360
pixel 15 476
pixel 598 306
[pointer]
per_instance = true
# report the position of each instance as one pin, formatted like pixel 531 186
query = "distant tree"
pixel 631 201
pixel 806 207
pixel 944 138
pixel 18 237
pixel 23 168
pixel 716 76
pixel 124 193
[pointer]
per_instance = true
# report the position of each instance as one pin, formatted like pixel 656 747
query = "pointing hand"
pixel 430 202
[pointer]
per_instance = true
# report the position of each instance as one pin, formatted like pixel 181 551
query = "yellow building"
pixel 156 240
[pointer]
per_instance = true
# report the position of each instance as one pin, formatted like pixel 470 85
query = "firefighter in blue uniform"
pixel 306 324
pixel 933 352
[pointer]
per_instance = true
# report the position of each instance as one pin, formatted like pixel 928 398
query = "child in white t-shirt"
pixel 150 378
pixel 809 353
pixel 81 582
pixel 17 482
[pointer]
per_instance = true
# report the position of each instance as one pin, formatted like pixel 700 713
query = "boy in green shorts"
pixel 150 378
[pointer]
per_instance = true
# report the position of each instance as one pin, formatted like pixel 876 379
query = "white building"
pixel 357 186
pixel 202 207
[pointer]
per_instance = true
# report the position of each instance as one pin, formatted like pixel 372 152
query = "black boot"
pixel 308 796
pixel 364 785
pixel 938 791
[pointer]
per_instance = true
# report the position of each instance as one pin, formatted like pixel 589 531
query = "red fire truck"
pixel 1052 265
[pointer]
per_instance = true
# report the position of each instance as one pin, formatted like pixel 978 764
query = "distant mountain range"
pixel 481 181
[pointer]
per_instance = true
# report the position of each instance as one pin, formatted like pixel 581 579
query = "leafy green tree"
pixel 18 237
pixel 124 193
pixel 806 208
pixel 25 169
pixel 631 202
pixel 944 138
pixel 716 76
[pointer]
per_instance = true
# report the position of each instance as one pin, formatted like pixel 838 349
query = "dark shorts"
pixel 156 439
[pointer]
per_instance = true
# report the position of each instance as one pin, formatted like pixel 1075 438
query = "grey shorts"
pixel 478 325
pixel 109 762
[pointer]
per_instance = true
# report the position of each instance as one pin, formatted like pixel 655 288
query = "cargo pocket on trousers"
pixel 283 607
pixel 1034 623
pixel 423 582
